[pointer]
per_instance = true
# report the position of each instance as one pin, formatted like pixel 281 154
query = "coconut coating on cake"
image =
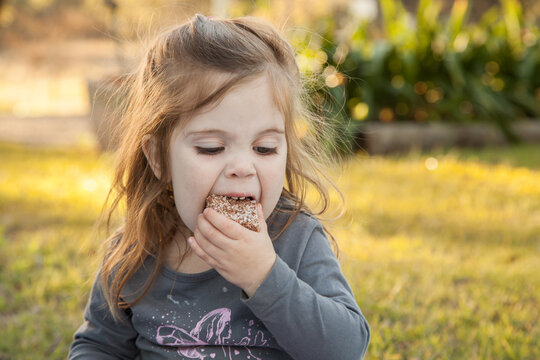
pixel 243 211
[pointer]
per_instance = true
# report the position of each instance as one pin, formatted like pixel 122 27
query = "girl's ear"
pixel 150 151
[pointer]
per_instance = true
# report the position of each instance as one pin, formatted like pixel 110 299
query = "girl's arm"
pixel 301 295
pixel 100 336
pixel 310 310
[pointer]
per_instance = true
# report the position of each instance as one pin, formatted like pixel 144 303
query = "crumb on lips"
pixel 240 210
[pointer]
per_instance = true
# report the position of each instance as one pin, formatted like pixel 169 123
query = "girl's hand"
pixel 241 256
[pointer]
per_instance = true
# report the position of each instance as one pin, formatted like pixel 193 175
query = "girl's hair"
pixel 188 68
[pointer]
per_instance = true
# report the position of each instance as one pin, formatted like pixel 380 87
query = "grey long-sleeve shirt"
pixel 304 309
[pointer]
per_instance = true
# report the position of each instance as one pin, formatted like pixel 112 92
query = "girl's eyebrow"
pixel 271 131
pixel 206 132
pixel 224 133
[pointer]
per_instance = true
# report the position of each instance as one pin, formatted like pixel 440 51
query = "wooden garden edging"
pixel 380 138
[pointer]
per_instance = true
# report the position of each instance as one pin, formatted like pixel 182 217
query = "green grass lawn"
pixel 442 250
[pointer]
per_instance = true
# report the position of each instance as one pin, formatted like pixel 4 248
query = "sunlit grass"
pixel 444 262
pixel 49 201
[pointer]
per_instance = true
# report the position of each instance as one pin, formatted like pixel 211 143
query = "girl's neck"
pixel 179 256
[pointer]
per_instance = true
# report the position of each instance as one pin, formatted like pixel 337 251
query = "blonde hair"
pixel 187 68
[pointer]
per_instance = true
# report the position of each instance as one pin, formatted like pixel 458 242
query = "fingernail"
pixel 190 240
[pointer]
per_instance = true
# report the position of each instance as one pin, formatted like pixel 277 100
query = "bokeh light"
pixel 431 163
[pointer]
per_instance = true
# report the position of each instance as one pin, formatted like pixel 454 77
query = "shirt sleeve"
pixel 100 336
pixel 312 312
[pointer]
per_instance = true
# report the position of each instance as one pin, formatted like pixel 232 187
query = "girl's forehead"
pixel 248 107
pixel 216 126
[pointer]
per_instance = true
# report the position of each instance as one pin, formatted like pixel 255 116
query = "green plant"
pixel 428 68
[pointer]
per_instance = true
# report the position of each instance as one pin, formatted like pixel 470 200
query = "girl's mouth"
pixel 239 196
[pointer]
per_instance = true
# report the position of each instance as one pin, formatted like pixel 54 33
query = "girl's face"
pixel 237 148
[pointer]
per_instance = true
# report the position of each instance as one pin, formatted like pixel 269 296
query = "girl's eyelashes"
pixel 210 150
pixel 261 150
pixel 265 150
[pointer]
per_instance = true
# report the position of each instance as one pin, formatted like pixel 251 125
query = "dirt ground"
pixel 44 131
pixel 43 88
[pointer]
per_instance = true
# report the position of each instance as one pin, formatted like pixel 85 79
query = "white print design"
pixel 213 329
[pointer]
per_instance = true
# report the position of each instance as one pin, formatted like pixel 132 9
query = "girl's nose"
pixel 240 167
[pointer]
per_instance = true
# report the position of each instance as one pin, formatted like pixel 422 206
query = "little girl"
pixel 213 110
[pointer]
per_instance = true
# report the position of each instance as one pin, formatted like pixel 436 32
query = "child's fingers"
pixel 208 245
pixel 228 227
pixel 210 232
pixel 260 214
pixel 201 253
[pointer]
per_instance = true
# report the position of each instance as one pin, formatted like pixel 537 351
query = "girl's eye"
pixel 264 150
pixel 209 151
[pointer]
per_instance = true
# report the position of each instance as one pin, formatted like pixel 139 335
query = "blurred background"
pixel 437 104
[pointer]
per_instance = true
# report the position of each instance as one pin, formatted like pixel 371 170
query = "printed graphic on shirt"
pixel 213 329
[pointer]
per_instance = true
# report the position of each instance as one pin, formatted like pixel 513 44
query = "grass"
pixel 49 201
pixel 444 262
